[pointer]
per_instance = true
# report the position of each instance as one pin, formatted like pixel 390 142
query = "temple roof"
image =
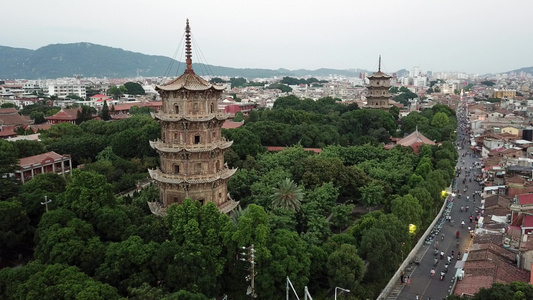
pixel 189 80
pixel 415 137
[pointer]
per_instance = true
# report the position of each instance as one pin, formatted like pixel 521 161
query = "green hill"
pixel 91 60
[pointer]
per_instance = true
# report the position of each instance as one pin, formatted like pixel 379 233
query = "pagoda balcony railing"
pixel 158 144
pixel 158 175
pixel 189 117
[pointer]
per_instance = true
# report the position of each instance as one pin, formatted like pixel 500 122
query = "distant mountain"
pixel 91 60
pixel 528 70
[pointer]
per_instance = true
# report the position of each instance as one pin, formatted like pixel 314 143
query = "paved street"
pixel 421 281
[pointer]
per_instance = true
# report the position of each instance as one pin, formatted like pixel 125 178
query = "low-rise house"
pixel 49 162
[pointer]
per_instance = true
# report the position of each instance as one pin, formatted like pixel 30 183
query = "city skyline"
pixel 441 36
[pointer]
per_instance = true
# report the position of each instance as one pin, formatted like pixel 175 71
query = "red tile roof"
pixel 99 96
pixel 37 159
pixel 230 124
pixel 38 127
pixel 414 138
pixel 525 199
pixel 12 118
pixel 7 133
pixel 7 111
pixel 65 114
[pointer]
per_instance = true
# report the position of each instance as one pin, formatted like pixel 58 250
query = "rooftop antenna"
pixel 188 52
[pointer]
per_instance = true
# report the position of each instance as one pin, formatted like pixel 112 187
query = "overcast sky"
pixel 473 36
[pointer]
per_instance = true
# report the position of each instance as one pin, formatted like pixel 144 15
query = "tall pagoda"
pixel 191 148
pixel 378 94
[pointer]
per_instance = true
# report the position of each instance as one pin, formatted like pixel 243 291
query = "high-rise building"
pixel 191 148
pixel 378 94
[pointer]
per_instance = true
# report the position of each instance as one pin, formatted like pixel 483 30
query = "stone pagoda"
pixel 378 94
pixel 191 148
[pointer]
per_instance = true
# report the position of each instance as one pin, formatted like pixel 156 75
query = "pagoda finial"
pixel 188 52
pixel 379 64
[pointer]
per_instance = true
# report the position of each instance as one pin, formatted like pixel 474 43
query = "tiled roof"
pixel 8 111
pixel 37 159
pixel 525 199
pixel 7 133
pixel 99 96
pixel 230 124
pixel 13 119
pixel 189 81
pixel 65 114
pixel 487 264
pixel 36 128
pixel 415 137
pixel 379 74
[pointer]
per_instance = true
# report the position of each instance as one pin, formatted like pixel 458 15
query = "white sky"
pixel 474 36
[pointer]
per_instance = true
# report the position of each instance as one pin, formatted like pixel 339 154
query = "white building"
pixel 62 90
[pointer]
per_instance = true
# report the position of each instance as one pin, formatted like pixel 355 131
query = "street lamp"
pixel 45 203
pixel 342 290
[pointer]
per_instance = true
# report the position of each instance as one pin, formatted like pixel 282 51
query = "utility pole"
pixel 45 203
pixel 251 258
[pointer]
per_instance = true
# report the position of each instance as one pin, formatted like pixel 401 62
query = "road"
pixel 421 282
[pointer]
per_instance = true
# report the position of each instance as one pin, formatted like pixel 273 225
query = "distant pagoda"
pixel 191 148
pixel 378 94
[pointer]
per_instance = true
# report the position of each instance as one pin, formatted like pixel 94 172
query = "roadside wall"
pixel 396 277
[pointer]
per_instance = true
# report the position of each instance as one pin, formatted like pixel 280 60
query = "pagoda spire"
pixel 188 51
pixel 379 64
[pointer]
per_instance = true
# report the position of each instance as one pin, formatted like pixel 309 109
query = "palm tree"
pixel 287 195
pixel 236 214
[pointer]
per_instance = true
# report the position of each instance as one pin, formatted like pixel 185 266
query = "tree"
pixel 8 105
pixel 237 82
pixel 8 164
pixel 127 264
pixel 15 229
pixel 289 259
pixel 245 142
pixel 200 232
pixel 487 83
pixel 85 114
pixel 37 117
pixel 372 195
pixel 32 193
pixel 287 195
pixel 116 92
pixel 239 117
pixel 71 242
pixel 133 88
pixel 104 114
pixel 278 86
pixel 345 267
pixel 341 216
pixel 57 281
pixel 440 120
pixel 381 246
pixel 86 193
pixel 408 210
pixel 27 148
